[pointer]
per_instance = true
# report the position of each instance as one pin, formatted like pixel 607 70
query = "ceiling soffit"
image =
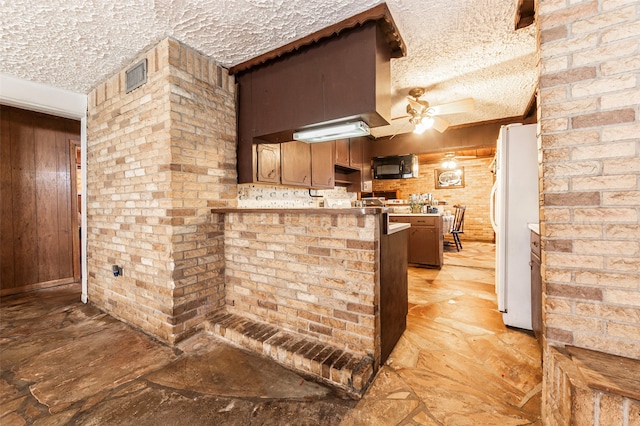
pixel 380 14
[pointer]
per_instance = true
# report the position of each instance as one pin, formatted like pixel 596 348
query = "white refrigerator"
pixel 513 206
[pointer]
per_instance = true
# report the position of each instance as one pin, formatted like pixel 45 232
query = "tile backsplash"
pixel 271 196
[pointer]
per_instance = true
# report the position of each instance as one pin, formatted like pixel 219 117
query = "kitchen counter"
pixel 394 227
pixel 305 210
pixel 535 227
pixel 415 214
pixel 425 243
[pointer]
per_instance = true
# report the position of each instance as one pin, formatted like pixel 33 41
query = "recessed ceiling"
pixel 455 49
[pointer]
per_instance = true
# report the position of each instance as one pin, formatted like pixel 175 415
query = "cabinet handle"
pixel 305 178
pixel 272 173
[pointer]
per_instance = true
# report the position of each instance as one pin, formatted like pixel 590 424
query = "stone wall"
pixel 312 274
pixel 475 194
pixel 158 158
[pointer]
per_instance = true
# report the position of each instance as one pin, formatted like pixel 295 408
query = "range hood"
pixel 341 74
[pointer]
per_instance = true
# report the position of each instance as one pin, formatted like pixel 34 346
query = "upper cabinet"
pixel 322 161
pixel 342 153
pixel 349 153
pixel 295 163
pixel 295 158
pixel 340 73
pixel 267 163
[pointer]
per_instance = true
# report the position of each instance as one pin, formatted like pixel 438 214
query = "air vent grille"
pixel 136 75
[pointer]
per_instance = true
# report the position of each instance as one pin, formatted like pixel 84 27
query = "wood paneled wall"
pixel 38 223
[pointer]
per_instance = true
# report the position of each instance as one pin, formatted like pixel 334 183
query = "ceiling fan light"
pixel 427 122
pixel 420 129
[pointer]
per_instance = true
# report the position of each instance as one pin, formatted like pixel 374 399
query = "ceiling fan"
pixel 425 116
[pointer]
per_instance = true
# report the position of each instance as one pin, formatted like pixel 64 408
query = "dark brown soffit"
pixel 380 14
pixel 525 13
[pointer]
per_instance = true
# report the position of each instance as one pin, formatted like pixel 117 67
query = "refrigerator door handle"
pixel 492 209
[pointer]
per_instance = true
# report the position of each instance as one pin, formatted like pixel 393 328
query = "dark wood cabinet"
pixel 322 165
pixel 425 242
pixel 349 153
pixel 394 301
pixel 267 163
pixel 422 245
pixel 295 163
pixel 342 152
pixel 355 153
pixel 536 287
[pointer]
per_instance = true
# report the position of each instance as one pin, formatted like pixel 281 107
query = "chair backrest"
pixel 458 220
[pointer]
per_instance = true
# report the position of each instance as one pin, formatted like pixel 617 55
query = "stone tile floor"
pixel 62 362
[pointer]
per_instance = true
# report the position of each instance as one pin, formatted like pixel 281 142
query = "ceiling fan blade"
pixel 440 124
pixel 418 105
pixel 400 130
pixel 463 105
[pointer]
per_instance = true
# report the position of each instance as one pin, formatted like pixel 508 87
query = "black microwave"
pixel 395 167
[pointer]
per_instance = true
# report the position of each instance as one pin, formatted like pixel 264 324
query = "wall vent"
pixel 136 75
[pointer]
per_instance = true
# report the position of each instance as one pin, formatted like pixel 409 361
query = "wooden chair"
pixel 458 225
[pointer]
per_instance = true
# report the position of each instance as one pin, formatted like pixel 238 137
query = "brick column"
pixel 158 158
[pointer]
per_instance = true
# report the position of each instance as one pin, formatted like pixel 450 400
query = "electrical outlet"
pixel 117 270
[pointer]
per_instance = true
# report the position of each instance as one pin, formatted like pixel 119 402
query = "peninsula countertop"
pixel 304 210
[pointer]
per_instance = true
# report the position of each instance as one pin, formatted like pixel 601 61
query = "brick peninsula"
pixel 320 290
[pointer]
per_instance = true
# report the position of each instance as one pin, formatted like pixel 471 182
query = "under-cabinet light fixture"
pixel 333 132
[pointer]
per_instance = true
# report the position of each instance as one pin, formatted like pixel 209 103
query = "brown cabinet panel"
pixel 422 246
pixel 355 153
pixel 394 301
pixel 322 169
pixel 295 163
pixel 349 153
pixel 425 243
pixel 342 152
pixel 536 288
pixel 267 163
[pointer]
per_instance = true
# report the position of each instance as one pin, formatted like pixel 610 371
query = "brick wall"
pixel 573 400
pixel 312 274
pixel 590 124
pixel 475 194
pixel 159 158
pixel 589 113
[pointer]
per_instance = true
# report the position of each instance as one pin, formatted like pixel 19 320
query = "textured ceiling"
pixel 455 49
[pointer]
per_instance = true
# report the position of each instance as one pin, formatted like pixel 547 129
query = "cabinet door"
pixel 268 163
pixel 536 297
pixel 322 164
pixel 342 152
pixel 355 153
pixel 422 247
pixel 367 171
pixel 295 158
